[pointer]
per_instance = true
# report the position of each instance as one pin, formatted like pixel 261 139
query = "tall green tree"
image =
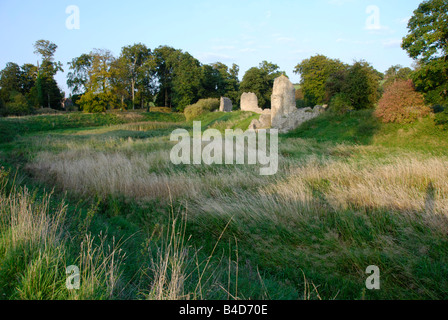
pixel 165 58
pixel 178 77
pixel 219 80
pixel 431 79
pixel 48 92
pixel 29 76
pixel 362 85
pixel 78 77
pixel 427 42
pixel 99 95
pixel 211 82
pixel 186 81
pixel 314 73
pixel 120 81
pixel 10 81
pixel 135 57
pixel 260 80
pixel 428 32
pixel 146 82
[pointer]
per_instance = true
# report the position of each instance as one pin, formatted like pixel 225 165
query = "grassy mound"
pixel 350 192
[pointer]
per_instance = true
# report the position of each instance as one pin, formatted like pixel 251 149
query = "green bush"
pixel 18 106
pixel 442 118
pixel 435 97
pixel 438 108
pixel 97 103
pixel 362 85
pixel 300 104
pixel 202 106
pixel 340 104
pixel 2 107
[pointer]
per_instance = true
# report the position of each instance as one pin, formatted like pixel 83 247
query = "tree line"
pixel 138 78
pixel 359 86
pixel 141 77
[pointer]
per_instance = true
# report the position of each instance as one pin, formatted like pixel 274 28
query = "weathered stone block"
pixel 226 105
pixel 249 102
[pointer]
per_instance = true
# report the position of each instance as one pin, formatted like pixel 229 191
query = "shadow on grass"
pixel 358 127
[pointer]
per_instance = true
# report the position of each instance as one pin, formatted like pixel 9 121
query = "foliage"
pixel 164 60
pixel 17 106
pixel 46 50
pixel 428 31
pixel 10 80
pixel 335 84
pixel 218 80
pixel 427 42
pixel 97 102
pixel 431 78
pixel 260 80
pixel 201 107
pixel 340 104
pixel 165 77
pixel 78 78
pixel 315 72
pixel 94 73
pixel 178 76
pixel 137 60
pixel 47 91
pixel 186 82
pixel 441 117
pixel 362 85
pixel 401 103
pixel 395 73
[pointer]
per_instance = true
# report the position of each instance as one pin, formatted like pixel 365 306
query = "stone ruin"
pixel 249 102
pixel 283 114
pixel 226 105
pixel 283 102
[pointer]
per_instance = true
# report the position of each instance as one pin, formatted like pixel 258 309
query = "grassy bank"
pixel 350 192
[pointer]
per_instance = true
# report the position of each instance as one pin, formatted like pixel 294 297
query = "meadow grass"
pixel 350 192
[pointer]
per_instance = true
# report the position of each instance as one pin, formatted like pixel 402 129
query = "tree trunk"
pixel 166 97
pixel 133 94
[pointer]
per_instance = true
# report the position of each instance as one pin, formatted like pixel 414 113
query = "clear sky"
pixel 244 32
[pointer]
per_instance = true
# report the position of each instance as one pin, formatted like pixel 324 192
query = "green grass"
pixel 238 235
pixel 16 127
pixel 363 128
pixel 224 120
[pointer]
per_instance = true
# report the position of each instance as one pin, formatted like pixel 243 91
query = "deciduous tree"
pixel 314 73
pixel 427 42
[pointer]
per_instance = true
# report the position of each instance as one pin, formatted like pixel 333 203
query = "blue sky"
pixel 244 32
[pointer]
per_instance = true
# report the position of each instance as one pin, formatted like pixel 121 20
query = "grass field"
pixel 100 192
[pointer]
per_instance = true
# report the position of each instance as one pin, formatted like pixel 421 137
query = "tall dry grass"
pixel 137 176
pixel 396 183
pixel 34 250
pixel 335 210
pixel 412 188
pixel 169 265
pixel 401 184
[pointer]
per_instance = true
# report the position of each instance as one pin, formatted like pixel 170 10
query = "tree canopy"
pixel 428 31
pixel 260 80
pixel 314 73
pixel 427 42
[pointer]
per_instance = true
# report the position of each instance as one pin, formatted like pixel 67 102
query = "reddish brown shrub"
pixel 401 103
